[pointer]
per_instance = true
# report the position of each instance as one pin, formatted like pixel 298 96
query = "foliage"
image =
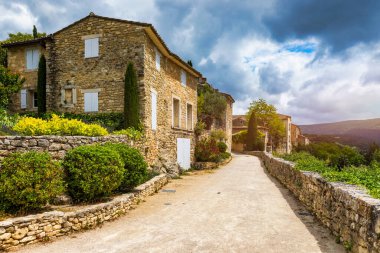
pixel 57 126
pixel 218 135
pixel 240 137
pixel 6 119
pixel 222 147
pixel 130 132
pixel 338 156
pixel 93 172
pixel 131 99
pixel 135 167
pixel 35 33
pixel 199 128
pixel 190 63
pixel 252 134
pixel 41 83
pixel 224 156
pixel 211 104
pixel 112 121
pixel 29 180
pixel 206 150
pixel 9 84
pixel 267 116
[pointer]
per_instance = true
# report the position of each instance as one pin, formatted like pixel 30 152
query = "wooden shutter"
pixel 29 59
pixel 95 47
pixel 91 102
pixel 36 58
pixel 87 48
pixel 23 99
pixel 154 110
pixel 158 60
pixel 183 77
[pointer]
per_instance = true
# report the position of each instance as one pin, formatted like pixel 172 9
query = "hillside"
pixel 352 132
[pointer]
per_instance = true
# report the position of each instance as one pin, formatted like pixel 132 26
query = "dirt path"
pixel 238 208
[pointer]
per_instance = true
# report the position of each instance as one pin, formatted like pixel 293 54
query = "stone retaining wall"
pixel 57 146
pixel 351 214
pixel 49 225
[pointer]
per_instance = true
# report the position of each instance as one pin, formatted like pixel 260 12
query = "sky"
pixel 318 61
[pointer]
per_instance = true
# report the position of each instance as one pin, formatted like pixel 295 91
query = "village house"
pixel 86 63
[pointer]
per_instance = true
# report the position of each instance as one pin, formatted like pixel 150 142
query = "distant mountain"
pixel 352 132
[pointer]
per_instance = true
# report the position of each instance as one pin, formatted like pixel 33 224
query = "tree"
pixel 9 84
pixel 35 33
pixel 41 85
pixel 189 62
pixel 252 134
pixel 266 115
pixel 131 98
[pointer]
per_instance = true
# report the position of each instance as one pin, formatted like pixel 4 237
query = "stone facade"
pixel 351 214
pixel 17 232
pixel 71 75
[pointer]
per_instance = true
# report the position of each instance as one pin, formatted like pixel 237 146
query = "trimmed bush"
pixel 130 132
pixel 135 167
pixel 131 98
pixel 222 147
pixel 93 172
pixel 29 180
pixel 57 126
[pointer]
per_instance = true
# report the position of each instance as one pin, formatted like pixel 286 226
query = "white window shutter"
pixel 29 59
pixel 95 47
pixel 87 48
pixel 91 102
pixel 23 99
pixel 183 77
pixel 95 102
pixel 158 60
pixel 154 110
pixel 36 58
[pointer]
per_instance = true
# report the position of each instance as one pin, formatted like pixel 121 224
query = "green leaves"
pixel 9 84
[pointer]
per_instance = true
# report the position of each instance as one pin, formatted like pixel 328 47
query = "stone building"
pixel 297 138
pixel 86 63
pixel 286 145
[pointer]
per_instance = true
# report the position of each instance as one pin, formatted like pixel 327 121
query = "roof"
pixel 228 96
pixel 149 28
pixel 283 116
pixel 26 42
pixel 238 116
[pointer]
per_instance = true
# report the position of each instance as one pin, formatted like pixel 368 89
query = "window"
pixel 158 60
pixel 91 48
pixel 32 58
pixel 189 117
pixel 154 109
pixel 68 99
pixel 176 113
pixel 91 101
pixel 35 99
pixel 23 99
pixel 183 77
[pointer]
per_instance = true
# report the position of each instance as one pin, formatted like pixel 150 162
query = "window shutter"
pixel 95 47
pixel 91 102
pixel 36 58
pixel 29 59
pixel 158 60
pixel 154 110
pixel 183 77
pixel 87 48
pixel 23 99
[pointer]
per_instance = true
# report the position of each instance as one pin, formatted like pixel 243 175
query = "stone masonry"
pixel 43 227
pixel 351 214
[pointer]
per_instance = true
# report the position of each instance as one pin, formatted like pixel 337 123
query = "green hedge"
pixel 29 180
pixel 93 172
pixel 135 167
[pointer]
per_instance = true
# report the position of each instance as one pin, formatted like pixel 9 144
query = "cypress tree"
pixel 41 85
pixel 35 33
pixel 131 98
pixel 251 142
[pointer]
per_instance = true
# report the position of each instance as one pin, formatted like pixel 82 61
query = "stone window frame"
pixel 87 37
pixel 26 58
pixel 179 111
pixel 63 95
pixel 192 116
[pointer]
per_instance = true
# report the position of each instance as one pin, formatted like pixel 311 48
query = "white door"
pixel 183 153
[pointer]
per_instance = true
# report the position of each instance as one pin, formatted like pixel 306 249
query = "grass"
pixel 365 176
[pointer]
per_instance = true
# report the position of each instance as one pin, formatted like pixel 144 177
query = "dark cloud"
pixel 273 81
pixel 339 24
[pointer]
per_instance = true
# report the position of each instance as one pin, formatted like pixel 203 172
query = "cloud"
pixel 273 81
pixel 339 24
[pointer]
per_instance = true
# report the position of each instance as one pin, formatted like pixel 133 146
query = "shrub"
pixel 57 126
pixel 29 180
pixel 206 150
pixel 224 156
pixel 222 147
pixel 199 128
pixel 135 167
pixel 131 98
pixel 6 119
pixel 218 135
pixel 93 172
pixel 130 132
pixel 41 85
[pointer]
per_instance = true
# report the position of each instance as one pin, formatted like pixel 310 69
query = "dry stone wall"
pixel 50 225
pixel 350 213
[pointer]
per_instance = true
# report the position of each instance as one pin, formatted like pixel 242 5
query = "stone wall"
pixel 350 213
pixel 50 225
pixel 57 146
